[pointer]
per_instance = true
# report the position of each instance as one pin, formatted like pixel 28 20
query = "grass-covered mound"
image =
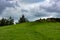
pixel 31 31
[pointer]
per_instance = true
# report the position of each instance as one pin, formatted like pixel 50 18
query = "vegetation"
pixel 31 31
pixel 42 29
pixel 49 20
pixel 10 21
pixel 5 21
pixel 23 19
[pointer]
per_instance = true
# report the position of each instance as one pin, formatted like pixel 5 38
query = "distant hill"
pixel 31 31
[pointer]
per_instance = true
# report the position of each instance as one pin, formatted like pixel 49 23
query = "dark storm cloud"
pixel 4 4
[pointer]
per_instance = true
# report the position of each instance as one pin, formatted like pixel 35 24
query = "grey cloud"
pixel 31 12
pixel 24 10
pixel 53 6
pixel 57 15
pixel 31 1
pixel 4 4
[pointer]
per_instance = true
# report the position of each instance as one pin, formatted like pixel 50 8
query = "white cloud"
pixel 32 11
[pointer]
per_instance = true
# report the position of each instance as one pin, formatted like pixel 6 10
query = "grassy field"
pixel 31 31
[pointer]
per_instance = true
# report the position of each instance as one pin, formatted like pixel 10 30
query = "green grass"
pixel 31 31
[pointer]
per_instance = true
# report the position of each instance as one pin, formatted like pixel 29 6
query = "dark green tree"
pixel 2 22
pixel 23 19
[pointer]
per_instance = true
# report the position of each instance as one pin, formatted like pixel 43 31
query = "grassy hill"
pixel 31 31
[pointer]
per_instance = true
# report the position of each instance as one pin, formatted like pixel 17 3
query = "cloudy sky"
pixel 32 9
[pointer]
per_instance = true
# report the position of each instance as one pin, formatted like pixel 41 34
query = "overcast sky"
pixel 32 9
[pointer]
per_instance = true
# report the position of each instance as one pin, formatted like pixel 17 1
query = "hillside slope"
pixel 31 31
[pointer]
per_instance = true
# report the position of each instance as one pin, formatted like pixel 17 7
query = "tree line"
pixel 10 21
pixel 49 20
pixel 5 21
